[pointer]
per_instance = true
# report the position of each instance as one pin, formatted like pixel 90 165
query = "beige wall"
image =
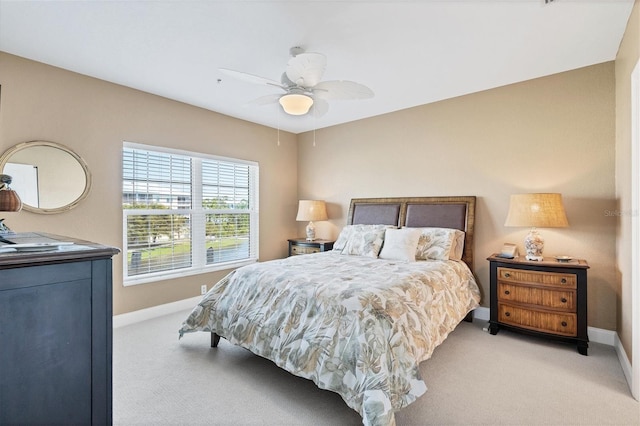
pixel 628 55
pixel 552 134
pixel 94 117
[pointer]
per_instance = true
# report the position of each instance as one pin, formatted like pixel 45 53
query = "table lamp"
pixel 536 211
pixel 311 210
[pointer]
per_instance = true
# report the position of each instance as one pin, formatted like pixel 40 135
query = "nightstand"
pixel 302 246
pixel 544 298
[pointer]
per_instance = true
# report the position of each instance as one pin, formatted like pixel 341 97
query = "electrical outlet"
pixel 203 289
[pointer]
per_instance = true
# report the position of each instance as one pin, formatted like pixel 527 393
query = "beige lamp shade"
pixel 311 210
pixel 537 210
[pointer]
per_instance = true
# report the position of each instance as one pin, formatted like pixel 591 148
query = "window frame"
pixel 197 215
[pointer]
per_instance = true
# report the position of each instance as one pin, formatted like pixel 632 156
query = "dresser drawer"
pixel 557 299
pixel 563 324
pixel 551 279
pixel 295 249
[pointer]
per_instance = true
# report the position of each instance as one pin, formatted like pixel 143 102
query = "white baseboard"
pixel 154 312
pixel 624 361
pixel 597 335
pixel 600 335
pixel 483 314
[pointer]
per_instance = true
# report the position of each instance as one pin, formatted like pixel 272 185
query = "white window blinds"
pixel 186 213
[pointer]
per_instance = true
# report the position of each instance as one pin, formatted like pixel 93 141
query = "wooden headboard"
pixel 441 212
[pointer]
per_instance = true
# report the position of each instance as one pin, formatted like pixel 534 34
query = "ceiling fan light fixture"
pixel 296 104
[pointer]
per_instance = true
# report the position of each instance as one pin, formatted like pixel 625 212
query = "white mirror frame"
pixel 6 156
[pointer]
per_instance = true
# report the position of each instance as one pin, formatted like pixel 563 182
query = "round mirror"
pixel 48 176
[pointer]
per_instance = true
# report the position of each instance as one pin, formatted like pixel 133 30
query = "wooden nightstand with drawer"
pixel 302 246
pixel 545 298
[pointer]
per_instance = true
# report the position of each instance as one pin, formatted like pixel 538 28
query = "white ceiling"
pixel 408 52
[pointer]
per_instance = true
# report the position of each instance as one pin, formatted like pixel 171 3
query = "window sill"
pixel 180 273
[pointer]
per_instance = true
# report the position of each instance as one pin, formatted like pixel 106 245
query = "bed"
pixel 358 319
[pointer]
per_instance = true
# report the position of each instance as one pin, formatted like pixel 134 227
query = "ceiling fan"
pixel 303 90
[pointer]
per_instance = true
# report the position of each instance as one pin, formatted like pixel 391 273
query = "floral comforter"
pixel 355 325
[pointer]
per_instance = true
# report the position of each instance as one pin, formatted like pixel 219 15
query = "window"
pixel 186 213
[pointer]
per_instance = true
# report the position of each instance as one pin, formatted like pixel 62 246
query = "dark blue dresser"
pixel 55 331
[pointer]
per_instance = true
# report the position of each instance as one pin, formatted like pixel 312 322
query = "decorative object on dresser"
pixel 9 199
pixel 9 202
pixel 56 321
pixel 311 210
pixel 543 298
pixel 303 246
pixel 536 211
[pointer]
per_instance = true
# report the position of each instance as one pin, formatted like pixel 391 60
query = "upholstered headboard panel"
pixel 437 215
pixel 441 212
pixel 376 214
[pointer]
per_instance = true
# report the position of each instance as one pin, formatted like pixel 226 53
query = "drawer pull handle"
pixel 563 281
pixel 507 274
pixel 507 314
pixel 564 323
pixel 563 300
pixel 507 292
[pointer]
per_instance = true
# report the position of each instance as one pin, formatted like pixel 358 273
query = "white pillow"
pixel 440 244
pixel 400 244
pixel 365 240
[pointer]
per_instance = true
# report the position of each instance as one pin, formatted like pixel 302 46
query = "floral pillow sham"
pixel 440 244
pixel 361 240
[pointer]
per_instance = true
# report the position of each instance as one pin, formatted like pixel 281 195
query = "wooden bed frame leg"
pixel 215 339
pixel 469 317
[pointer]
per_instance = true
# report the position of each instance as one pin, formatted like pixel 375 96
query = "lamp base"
pixel 533 245
pixel 311 232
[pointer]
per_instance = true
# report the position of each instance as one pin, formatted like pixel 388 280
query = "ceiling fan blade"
pixel 319 108
pixel 250 78
pixel 266 100
pixel 341 89
pixel 306 69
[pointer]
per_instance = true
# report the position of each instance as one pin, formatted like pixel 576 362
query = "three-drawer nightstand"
pixel 302 246
pixel 545 298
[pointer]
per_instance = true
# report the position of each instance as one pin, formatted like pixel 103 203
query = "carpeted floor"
pixel 473 379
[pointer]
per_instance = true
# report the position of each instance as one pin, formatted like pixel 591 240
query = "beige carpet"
pixel 473 379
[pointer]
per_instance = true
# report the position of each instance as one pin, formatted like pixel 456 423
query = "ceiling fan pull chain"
pixel 278 123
